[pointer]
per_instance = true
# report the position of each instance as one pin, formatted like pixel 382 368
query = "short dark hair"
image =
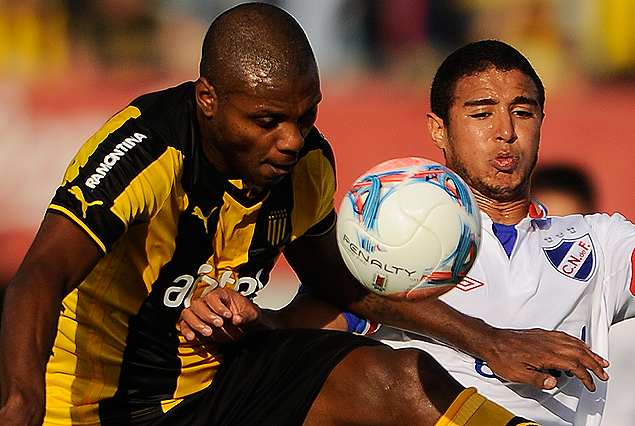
pixel 255 39
pixel 472 59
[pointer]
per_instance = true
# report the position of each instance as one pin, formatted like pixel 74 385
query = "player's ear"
pixel 437 129
pixel 206 97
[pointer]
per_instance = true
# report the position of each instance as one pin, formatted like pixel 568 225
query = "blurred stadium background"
pixel 66 66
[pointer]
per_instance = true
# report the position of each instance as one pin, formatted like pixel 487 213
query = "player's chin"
pixel 510 190
pixel 271 176
pixel 266 180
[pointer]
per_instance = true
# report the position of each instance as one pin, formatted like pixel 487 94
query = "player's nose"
pixel 291 139
pixel 504 128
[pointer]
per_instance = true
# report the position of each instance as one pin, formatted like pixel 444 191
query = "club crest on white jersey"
pixel 574 258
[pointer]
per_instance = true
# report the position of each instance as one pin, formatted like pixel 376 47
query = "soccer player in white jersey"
pixel 534 271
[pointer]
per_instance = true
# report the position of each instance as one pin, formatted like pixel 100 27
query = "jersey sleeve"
pixel 618 240
pixel 120 176
pixel 360 325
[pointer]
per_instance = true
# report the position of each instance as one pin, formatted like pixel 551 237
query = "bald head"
pixel 255 43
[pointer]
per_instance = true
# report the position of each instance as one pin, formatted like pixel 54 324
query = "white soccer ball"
pixel 408 224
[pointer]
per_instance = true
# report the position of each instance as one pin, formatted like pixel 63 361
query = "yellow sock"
pixel 472 409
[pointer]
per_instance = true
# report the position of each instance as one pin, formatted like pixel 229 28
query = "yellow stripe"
pixel 233 236
pixel 135 203
pixel 472 409
pixel 312 195
pixel 163 210
pixel 169 404
pixel 198 365
pixel 237 224
pixel 58 382
pixel 89 147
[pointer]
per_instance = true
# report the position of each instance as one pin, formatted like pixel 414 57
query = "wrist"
pixel 482 341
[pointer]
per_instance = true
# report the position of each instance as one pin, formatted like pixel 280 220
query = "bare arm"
pixel 61 256
pixel 516 355
pixel 307 310
pixel 224 315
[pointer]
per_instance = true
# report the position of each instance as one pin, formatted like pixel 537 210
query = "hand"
pixel 221 316
pixel 525 356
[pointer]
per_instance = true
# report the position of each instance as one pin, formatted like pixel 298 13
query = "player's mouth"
pixel 504 162
pixel 280 169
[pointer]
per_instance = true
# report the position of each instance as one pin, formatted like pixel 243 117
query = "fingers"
pixel 540 379
pixel 534 356
pixel 549 382
pixel 577 358
pixel 186 331
pixel 220 315
pixel 192 324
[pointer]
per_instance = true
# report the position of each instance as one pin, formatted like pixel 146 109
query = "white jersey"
pixel 571 274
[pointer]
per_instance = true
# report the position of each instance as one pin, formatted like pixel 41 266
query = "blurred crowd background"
pixel 66 66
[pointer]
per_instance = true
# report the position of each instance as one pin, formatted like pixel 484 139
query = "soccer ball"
pixel 407 225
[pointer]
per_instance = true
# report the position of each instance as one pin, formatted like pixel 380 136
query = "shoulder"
pixel 612 234
pixel 601 226
pixel 168 110
pixel 600 219
pixel 614 225
pixel 614 231
pixel 317 162
pixel 166 117
pixel 169 98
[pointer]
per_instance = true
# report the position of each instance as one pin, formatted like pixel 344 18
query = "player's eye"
pixel 307 120
pixel 480 114
pixel 523 113
pixel 267 122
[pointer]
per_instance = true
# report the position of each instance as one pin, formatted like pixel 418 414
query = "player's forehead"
pixel 494 86
pixel 294 94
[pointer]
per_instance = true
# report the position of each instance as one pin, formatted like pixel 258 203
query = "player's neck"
pixel 504 212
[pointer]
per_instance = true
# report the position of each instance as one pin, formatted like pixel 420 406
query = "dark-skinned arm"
pixel 516 355
pixel 224 315
pixel 308 310
pixel 61 256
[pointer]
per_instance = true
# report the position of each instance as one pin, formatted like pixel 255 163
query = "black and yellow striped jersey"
pixel 144 191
